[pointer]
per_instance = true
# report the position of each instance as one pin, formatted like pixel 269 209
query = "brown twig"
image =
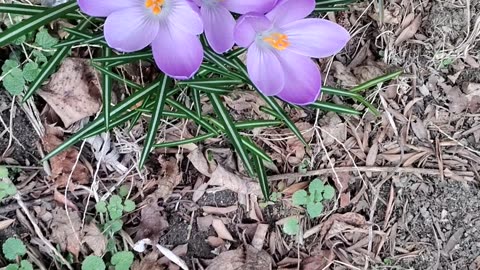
pixel 365 169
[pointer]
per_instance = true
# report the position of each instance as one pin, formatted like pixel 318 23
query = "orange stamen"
pixel 278 41
pixel 154 5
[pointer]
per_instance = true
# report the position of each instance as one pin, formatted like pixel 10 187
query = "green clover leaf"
pixel 291 226
pixel 300 197
pixel 93 263
pixel 122 260
pixel 12 248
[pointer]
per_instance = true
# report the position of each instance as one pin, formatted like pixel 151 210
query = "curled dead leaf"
pixel 72 91
pixel 65 230
pixel 409 31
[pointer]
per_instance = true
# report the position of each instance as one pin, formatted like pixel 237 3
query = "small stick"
pixel 39 233
pixel 364 169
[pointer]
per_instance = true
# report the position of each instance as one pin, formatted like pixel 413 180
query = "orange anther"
pixel 154 5
pixel 278 41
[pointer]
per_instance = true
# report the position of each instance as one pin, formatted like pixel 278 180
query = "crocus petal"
pixel 177 53
pixel 248 26
pixel 316 37
pixel 287 11
pixel 246 6
pixel 302 79
pixel 181 15
pixel 265 70
pixel 219 25
pixel 130 30
pixel 103 8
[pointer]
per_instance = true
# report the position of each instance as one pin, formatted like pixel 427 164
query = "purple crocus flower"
pixel 280 45
pixel 169 26
pixel 219 22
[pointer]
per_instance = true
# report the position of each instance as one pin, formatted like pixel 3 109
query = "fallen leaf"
pixel 204 223
pixel 245 257
pixel 95 239
pixel 152 223
pixel 65 230
pixel 72 91
pixel 333 129
pixel 321 261
pixel 170 179
pixel 63 163
pixel 221 229
pixel 228 180
pixel 179 251
pixel 6 223
pixel 409 31
pixel 260 234
pixel 198 160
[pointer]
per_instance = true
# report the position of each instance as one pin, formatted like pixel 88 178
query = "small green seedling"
pixel 291 226
pixel 313 199
pixel 13 249
pixel 115 208
pixel 7 189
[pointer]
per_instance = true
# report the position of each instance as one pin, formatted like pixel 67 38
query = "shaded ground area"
pixel 22 149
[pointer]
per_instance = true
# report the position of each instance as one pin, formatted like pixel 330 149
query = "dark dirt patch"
pixel 221 198
pixel 23 153
pixel 431 214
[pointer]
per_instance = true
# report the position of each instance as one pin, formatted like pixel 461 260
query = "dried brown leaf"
pixel 63 163
pixel 228 180
pixel 65 230
pixel 148 262
pixel 72 91
pixel 95 239
pixel 246 257
pixel 221 229
pixel 410 31
pixel 170 178
pixel 152 223
pixel 322 260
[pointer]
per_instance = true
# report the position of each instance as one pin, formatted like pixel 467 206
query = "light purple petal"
pixel 248 26
pixel 302 79
pixel 103 8
pixel 265 70
pixel 219 25
pixel 130 30
pixel 246 6
pixel 181 15
pixel 316 37
pixel 177 53
pixel 287 11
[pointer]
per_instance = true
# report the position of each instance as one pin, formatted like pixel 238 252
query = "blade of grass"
pixel 262 177
pixel 231 131
pixel 107 90
pixel 33 10
pixel 192 115
pixel 36 21
pixel 185 141
pixel 366 85
pixel 154 121
pixel 327 106
pixel 197 103
pixel 125 58
pixel 249 144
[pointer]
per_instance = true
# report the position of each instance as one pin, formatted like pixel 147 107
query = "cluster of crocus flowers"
pixel 280 39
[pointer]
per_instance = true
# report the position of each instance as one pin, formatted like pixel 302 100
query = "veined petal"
pixel 177 53
pixel 287 11
pixel 130 30
pixel 103 8
pixel 248 26
pixel 219 25
pixel 265 70
pixel 246 6
pixel 302 79
pixel 316 37
pixel 181 15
